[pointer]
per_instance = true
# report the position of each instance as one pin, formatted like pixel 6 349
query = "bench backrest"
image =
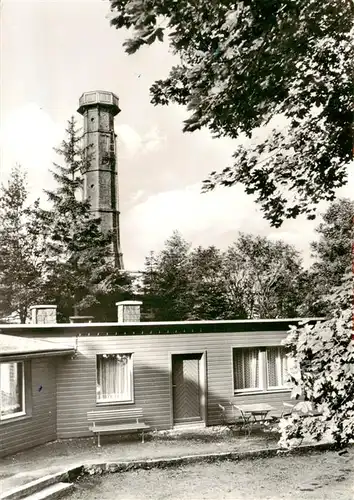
pixel 114 415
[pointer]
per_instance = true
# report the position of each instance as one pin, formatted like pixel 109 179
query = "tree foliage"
pixel 82 276
pixel 241 64
pixel 209 298
pixel 22 248
pixel 323 353
pixel 253 278
pixel 332 253
pixel 265 278
pixel 166 280
pixel 323 373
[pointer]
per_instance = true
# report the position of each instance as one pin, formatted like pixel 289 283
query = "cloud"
pixel 27 137
pixel 136 196
pixel 134 143
pixel 130 139
pixel 347 191
pixel 152 141
pixel 212 218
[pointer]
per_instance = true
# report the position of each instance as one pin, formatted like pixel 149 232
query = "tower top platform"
pixel 99 97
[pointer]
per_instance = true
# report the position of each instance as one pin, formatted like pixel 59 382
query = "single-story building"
pixel 28 399
pixel 177 372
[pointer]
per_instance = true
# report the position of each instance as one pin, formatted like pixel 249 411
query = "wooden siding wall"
pixel 40 426
pixel 76 378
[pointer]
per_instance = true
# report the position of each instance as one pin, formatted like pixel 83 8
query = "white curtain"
pixel 246 366
pixel 11 388
pixel 277 367
pixel 114 377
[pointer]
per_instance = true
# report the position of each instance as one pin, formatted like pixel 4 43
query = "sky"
pixel 52 52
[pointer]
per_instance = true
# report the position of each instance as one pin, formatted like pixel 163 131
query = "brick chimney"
pixel 43 314
pixel 128 311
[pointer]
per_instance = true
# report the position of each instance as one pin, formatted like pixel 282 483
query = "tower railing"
pixel 99 97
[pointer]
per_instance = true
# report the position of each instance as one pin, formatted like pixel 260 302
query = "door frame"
pixel 203 382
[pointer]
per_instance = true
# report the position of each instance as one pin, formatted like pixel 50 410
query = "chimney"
pixel 128 311
pixel 43 314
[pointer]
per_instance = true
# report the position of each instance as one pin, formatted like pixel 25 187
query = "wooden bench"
pixel 117 421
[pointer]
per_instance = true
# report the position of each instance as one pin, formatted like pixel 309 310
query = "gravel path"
pixel 320 476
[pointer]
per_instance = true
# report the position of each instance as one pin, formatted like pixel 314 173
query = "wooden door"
pixel 186 383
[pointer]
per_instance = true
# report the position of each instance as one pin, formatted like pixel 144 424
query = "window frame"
pixel 260 376
pixel 264 388
pixel 22 413
pixel 110 402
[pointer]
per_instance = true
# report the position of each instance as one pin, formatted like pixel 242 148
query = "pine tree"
pixel 208 286
pixel 166 285
pixel 83 278
pixel 22 248
pixel 148 290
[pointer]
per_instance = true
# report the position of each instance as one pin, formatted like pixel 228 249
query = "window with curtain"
pixel 246 369
pixel 277 376
pixel 114 378
pixel 12 400
pixel 260 369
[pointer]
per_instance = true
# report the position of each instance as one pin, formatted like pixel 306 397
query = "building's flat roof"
pixel 11 345
pixel 155 328
pixel 159 323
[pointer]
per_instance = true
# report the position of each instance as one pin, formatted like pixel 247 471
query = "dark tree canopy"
pixel 254 278
pixel 166 281
pixel 333 255
pixel 265 277
pixel 243 63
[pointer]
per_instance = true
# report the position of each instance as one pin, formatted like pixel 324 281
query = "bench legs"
pixel 99 438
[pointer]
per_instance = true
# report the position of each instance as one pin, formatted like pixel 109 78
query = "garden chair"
pixel 302 408
pixel 245 419
pixel 306 409
pixel 287 410
pixel 233 421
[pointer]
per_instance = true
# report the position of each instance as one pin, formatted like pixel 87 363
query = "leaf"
pixel 243 67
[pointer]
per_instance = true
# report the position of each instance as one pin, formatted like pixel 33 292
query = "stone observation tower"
pixel 101 177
